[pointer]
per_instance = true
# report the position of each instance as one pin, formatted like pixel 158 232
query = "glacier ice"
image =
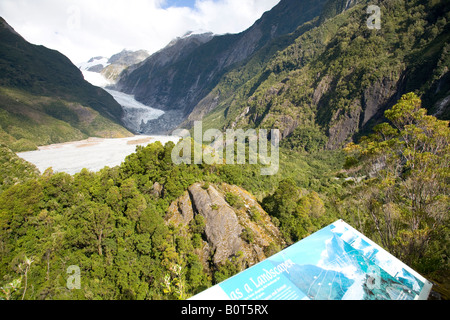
pixel 136 114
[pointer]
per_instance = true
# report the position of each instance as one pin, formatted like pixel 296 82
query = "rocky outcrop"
pixel 244 228
pixel 128 58
pixel 365 112
pixel 344 125
pixel 378 97
pixel 222 226
pixel 122 61
pixel 111 68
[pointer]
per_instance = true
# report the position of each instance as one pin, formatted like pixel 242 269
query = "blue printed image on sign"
pixel 335 263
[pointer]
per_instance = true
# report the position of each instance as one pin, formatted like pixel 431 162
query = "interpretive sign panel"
pixel 335 263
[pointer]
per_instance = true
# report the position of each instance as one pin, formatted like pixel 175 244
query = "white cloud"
pixel 84 28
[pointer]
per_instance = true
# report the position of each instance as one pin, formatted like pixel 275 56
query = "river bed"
pixel 93 154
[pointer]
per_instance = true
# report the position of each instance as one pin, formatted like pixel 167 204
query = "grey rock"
pixel 222 226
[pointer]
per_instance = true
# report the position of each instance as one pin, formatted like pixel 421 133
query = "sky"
pixel 82 29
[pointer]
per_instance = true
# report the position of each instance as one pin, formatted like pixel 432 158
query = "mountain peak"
pixel 128 57
pixel 196 64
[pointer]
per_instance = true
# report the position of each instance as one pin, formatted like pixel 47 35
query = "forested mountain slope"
pixel 150 229
pixel 335 81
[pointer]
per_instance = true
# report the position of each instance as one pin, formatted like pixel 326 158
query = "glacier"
pixel 95 79
pixel 136 114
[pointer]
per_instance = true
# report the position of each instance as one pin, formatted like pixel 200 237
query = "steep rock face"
pixel 345 125
pixel 129 58
pixel 132 80
pixel 154 72
pixel 121 61
pixel 229 230
pixel 181 83
pixel 364 113
pixel 181 210
pixel 222 226
pixel 337 76
pixel 111 68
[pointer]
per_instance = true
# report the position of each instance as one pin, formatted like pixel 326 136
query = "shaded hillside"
pixel 45 99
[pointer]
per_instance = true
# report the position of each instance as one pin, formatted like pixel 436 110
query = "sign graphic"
pixel 335 263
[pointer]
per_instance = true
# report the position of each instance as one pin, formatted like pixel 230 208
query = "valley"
pixel 363 115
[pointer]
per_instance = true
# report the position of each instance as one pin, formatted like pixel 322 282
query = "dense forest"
pixel 392 186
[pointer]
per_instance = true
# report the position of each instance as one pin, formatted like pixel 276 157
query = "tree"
pixel 406 192
pixel 93 223
pixel 24 268
pixel 9 289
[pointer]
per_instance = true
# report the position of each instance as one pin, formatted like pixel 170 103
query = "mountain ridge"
pixel 45 99
pixel 181 85
pixel 339 98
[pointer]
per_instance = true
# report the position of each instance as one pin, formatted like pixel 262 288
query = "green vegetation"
pixel 336 78
pixel 403 202
pixel 107 223
pixel 317 85
pixel 44 72
pixel 28 120
pixel 112 225
pixel 14 170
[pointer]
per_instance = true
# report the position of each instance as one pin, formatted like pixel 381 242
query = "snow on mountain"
pixel 91 71
pixel 198 33
pixel 94 64
pixel 101 71
pixel 96 79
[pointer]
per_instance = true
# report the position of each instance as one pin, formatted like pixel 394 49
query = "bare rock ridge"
pixel 242 228
pixel 222 226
